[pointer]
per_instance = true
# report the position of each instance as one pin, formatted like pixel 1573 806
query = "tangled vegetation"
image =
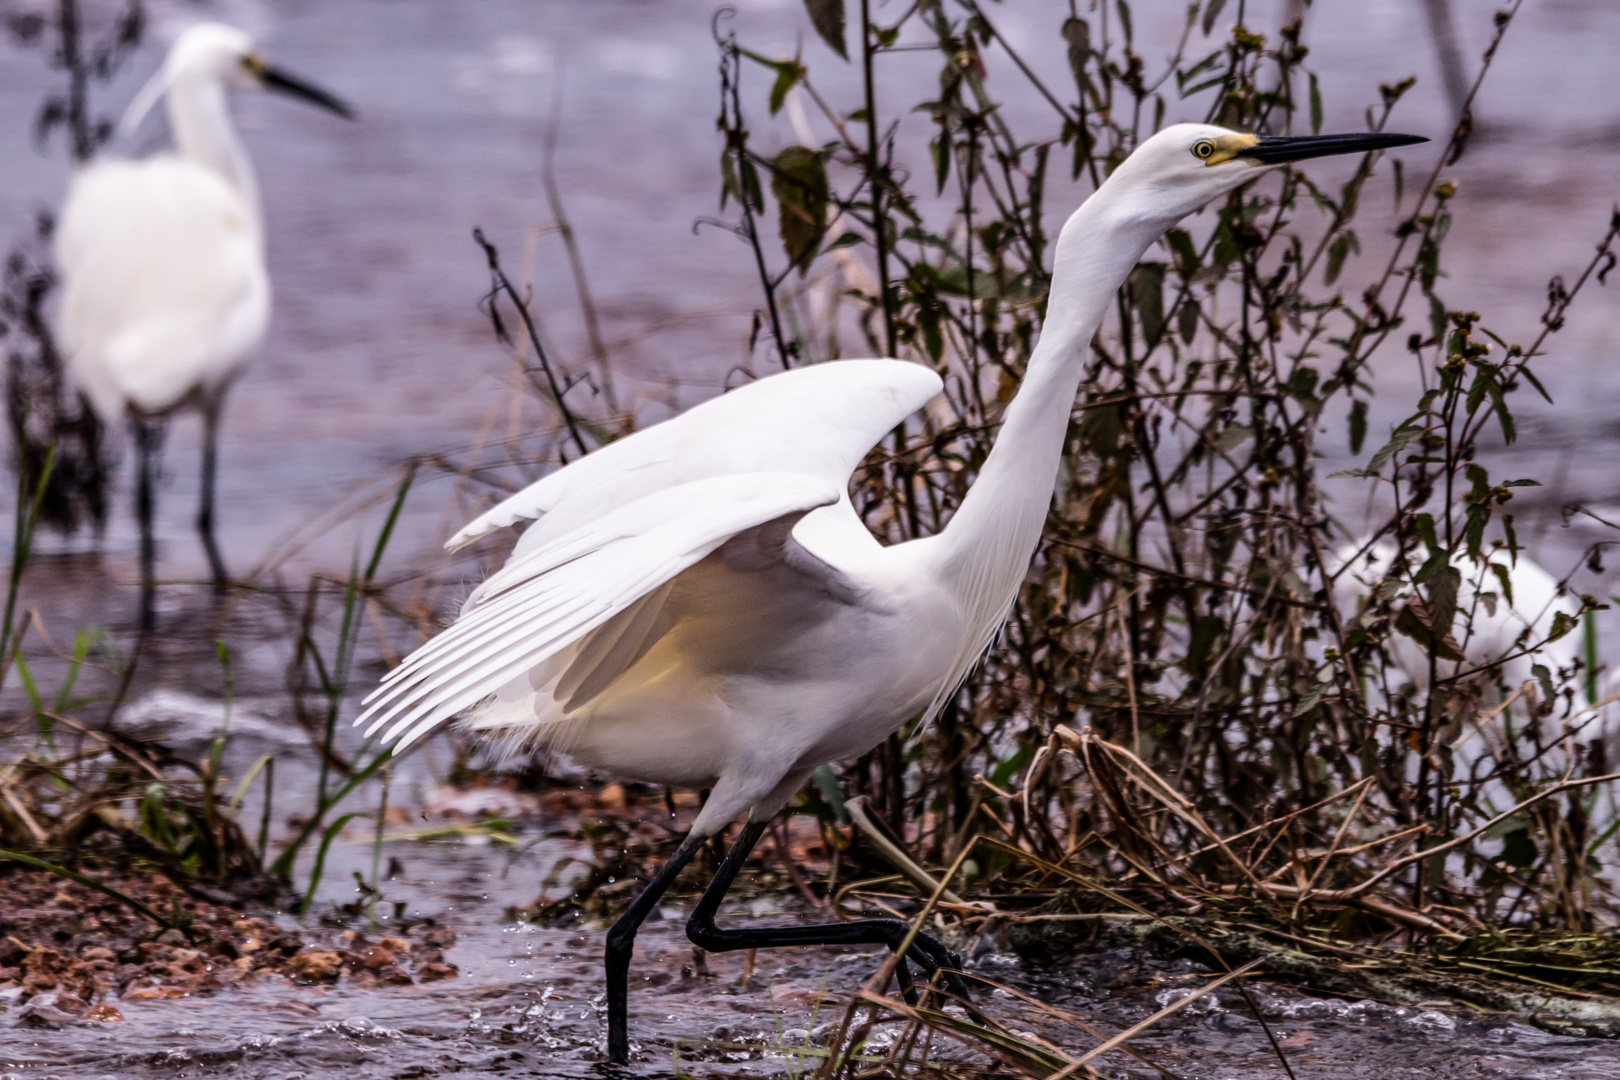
pixel 1202 689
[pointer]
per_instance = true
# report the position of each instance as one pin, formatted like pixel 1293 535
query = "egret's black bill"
pixel 292 86
pixel 1277 149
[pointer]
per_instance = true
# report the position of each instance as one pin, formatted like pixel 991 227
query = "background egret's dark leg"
pixel 205 506
pixel 621 945
pixel 148 441
pixel 925 951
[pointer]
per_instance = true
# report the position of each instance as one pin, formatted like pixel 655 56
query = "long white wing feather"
pixel 818 421
pixel 557 593
pixel 164 285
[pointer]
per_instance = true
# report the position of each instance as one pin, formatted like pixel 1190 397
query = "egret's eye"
pixel 1202 149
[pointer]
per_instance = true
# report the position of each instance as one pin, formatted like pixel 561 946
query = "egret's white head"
pixel 213 50
pixel 1185 166
pixel 221 55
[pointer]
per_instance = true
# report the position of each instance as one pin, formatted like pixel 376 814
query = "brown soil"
pixel 69 953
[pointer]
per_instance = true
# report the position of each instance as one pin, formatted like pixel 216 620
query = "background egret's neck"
pixel 987 545
pixel 201 121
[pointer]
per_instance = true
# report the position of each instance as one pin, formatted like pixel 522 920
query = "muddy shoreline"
pixel 452 980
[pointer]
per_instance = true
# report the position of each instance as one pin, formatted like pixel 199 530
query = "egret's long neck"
pixel 987 545
pixel 201 121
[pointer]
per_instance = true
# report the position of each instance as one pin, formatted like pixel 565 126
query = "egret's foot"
pixel 932 956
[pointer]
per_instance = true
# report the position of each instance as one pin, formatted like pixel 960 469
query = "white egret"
pixel 699 604
pixel 1509 624
pixel 165 293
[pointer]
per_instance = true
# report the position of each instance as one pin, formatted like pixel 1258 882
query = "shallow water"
pixel 377 349
pixel 527 1003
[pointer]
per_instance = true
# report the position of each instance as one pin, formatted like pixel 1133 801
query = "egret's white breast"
pixel 165 288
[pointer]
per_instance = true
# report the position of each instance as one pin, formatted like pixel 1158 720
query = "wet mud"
pixel 448 984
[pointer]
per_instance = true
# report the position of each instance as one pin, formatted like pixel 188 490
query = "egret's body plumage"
pixel 699 603
pixel 734 621
pixel 165 294
pixel 1508 624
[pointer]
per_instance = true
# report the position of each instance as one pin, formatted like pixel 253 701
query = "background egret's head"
pixel 1185 166
pixel 214 53
pixel 213 50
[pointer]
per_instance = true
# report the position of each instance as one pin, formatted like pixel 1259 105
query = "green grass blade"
pixel 88 882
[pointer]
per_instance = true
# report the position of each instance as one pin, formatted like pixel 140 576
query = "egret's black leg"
pixel 925 951
pixel 148 442
pixel 621 945
pixel 205 505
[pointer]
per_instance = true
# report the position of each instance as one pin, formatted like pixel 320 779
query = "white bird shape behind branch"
pixel 165 293
pixel 699 604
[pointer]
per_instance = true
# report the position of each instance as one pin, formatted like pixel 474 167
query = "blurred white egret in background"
pixel 1506 624
pixel 1511 622
pixel 165 293
pixel 700 605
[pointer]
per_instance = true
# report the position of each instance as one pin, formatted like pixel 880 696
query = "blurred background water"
pixel 377 348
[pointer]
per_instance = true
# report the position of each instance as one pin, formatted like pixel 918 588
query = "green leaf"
pixel 1302 384
pixel 1425 530
pixel 1415 623
pixel 729 188
pixel 827 16
pixel 1008 769
pixel 928 322
pixel 1077 32
pixel 826 782
pixel 753 195
pixel 1342 245
pixel 1397 442
pixel 1186 254
pixel 1211 13
pixel 1479 515
pixel 799 182
pixel 942 147
pixel 1518 849
pixel 1311 700
pixel 1535 382
pixel 1233 437
pixel 788 72
pixel 1504 579
pixel 1187 320
pixel 1316 106
pixel 1544 677
pixel 1146 286
pixel 1437 319
pixel 1358 425
pixel 1207 630
pixel 1443 599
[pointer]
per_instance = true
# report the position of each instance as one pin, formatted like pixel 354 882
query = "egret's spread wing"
pixel 551 597
pixel 164 285
pixel 818 420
